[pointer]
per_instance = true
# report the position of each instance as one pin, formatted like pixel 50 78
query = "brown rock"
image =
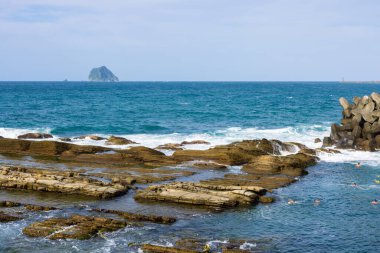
pixel 91 137
pixel 140 217
pixel 237 153
pixel 209 165
pixel 35 136
pixel 115 140
pixel 8 218
pixel 201 194
pixel 170 146
pixel 75 227
pixel 56 181
pixel 195 142
pixel 317 140
pixel 266 199
pixel 149 248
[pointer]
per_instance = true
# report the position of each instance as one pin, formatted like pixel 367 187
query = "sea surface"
pixel 154 113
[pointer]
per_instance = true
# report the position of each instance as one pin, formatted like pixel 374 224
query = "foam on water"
pixel 304 134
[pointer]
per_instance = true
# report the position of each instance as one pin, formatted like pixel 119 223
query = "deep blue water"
pixel 70 108
pixel 345 221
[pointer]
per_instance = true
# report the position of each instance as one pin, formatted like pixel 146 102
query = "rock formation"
pixel 116 140
pixel 360 124
pixel 35 136
pixel 102 74
pixel 75 227
pixel 202 194
pixel 56 181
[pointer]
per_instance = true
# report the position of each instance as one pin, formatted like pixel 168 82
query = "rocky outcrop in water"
pixel 102 74
pixel 75 227
pixel 116 140
pixel 360 124
pixel 35 136
pixel 56 181
pixel 202 194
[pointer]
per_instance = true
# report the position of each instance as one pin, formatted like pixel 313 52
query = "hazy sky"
pixel 169 40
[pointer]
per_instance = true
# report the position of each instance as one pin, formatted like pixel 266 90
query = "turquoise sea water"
pixel 154 113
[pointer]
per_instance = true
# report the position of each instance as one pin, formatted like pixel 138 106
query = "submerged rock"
pixel 75 227
pixel 102 74
pixel 195 142
pixel 150 248
pixel 8 218
pixel 34 136
pixel 139 217
pixel 91 137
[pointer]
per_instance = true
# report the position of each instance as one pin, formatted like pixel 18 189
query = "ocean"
pixel 155 113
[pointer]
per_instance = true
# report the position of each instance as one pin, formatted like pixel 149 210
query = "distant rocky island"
pixel 102 74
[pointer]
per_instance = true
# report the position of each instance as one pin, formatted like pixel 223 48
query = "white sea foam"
pixel 304 134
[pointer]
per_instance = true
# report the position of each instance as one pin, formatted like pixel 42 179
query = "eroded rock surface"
pixel 57 181
pixel 35 136
pixel 201 194
pixel 75 227
pixel 139 217
pixel 116 140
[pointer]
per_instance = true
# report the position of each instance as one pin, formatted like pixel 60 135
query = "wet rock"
pixel 8 218
pixel 149 248
pixel 139 217
pixel 195 142
pixel 170 146
pixel 237 153
pixel 327 142
pixel 57 181
pixel 29 207
pixel 35 136
pixel 115 140
pixel 46 148
pixel 9 204
pixel 201 194
pixel 65 139
pixel 291 165
pixel 209 165
pixel 317 140
pixel 75 227
pixel 328 150
pixel 37 208
pixel 91 137
pixel 266 199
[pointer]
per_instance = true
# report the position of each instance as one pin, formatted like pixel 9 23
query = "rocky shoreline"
pixel 263 168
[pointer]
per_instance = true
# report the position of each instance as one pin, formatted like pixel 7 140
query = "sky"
pixel 191 40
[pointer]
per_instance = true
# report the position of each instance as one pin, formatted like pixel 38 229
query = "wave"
pixel 304 134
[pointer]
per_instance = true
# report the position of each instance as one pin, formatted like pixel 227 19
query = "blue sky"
pixel 240 40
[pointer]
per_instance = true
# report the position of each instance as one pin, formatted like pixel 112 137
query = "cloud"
pixel 190 40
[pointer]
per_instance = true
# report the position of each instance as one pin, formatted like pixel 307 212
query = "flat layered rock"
pixel 149 248
pixel 139 217
pixel 29 207
pixel 4 217
pixel 57 181
pixel 201 194
pixel 75 227
pixel 237 153
pixel 35 136
pixel 116 140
